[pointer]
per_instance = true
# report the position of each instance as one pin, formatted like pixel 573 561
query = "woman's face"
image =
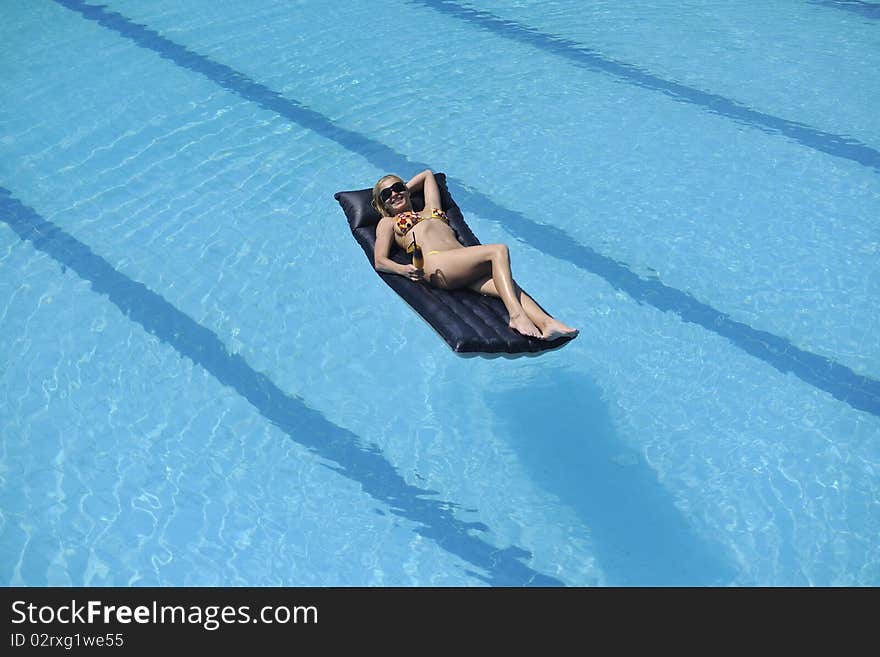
pixel 398 201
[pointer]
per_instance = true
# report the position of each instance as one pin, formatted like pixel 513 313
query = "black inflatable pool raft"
pixel 472 324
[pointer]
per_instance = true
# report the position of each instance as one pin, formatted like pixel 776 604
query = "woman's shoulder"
pixel 385 223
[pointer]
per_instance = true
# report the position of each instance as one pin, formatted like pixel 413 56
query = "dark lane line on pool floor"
pixel 837 145
pixel 863 9
pixel 361 463
pixel 860 392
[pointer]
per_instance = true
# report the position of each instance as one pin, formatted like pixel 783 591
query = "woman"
pixel 449 265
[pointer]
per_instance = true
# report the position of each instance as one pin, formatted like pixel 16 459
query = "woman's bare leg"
pixel 550 328
pixel 463 267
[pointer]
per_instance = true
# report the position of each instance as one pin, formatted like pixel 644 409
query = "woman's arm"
pixel 384 242
pixel 426 181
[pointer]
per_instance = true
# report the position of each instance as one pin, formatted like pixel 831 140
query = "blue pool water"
pixel 203 383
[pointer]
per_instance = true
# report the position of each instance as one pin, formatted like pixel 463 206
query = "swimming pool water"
pixel 202 382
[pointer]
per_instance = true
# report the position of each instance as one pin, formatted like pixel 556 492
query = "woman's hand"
pixel 413 273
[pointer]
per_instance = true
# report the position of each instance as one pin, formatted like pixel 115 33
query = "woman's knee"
pixel 499 251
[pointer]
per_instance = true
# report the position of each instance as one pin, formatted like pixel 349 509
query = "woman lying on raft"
pixel 449 265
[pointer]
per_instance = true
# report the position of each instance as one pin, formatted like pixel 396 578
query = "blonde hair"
pixel 377 202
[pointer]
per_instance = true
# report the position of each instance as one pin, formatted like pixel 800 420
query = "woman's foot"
pixel 523 325
pixel 555 329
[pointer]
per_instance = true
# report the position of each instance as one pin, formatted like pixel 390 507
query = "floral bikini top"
pixel 406 220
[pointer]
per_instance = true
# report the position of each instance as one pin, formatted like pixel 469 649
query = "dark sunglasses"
pixel 385 194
